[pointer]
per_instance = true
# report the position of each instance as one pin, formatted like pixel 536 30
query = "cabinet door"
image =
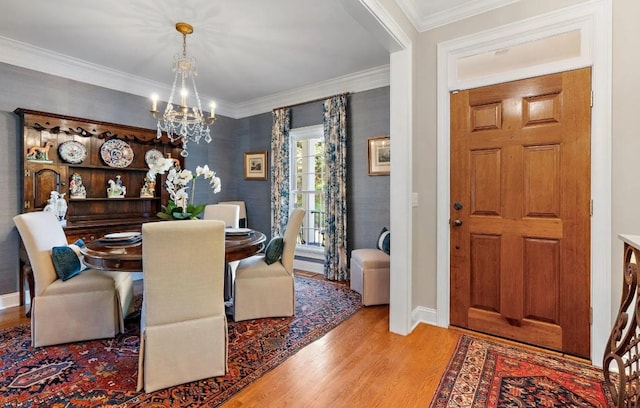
pixel 39 181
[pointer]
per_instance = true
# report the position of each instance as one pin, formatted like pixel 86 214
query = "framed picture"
pixel 255 166
pixel 379 156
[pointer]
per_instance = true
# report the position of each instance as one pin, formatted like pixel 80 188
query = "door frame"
pixel 593 19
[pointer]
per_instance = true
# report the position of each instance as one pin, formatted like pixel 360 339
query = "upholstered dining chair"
pixel 243 212
pixel 229 213
pixel 183 326
pixel 90 305
pixel 261 289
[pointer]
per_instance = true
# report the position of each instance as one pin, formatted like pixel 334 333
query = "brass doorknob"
pixel 457 223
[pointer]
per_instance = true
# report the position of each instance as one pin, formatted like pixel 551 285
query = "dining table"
pixel 125 255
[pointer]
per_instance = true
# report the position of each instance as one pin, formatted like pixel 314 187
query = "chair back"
pixel 182 261
pixel 290 238
pixel 229 213
pixel 40 231
pixel 243 211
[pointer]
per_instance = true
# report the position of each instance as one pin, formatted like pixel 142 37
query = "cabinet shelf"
pixel 79 200
pixel 107 168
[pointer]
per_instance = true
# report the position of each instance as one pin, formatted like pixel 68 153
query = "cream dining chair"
pixel 229 213
pixel 91 305
pixel 183 326
pixel 243 212
pixel 262 290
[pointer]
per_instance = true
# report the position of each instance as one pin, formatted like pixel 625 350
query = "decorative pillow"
pixel 67 260
pixel 384 241
pixel 273 252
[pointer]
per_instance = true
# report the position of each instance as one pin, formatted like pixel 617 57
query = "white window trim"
pixel 301 133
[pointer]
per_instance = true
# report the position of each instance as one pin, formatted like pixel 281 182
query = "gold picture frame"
pixel 379 153
pixel 255 165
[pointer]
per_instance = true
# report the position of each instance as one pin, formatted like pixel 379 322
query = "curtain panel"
pixel 335 134
pixel 280 170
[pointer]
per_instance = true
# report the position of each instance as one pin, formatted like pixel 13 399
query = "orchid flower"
pixel 177 183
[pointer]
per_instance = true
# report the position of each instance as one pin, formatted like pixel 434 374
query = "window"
pixel 307 184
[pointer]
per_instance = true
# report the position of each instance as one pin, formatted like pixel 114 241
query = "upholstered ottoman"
pixel 370 275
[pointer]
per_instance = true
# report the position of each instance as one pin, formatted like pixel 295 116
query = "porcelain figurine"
pixel 40 153
pixel 76 187
pixel 58 206
pixel 149 188
pixel 116 189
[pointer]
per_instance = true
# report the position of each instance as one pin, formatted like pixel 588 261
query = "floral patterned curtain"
pixel 335 139
pixel 280 170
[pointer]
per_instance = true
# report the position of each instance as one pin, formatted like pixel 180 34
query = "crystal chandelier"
pixel 184 124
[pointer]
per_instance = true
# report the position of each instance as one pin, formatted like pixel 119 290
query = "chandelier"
pixel 184 124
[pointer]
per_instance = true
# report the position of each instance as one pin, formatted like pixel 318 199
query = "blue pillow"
pixel 273 252
pixel 67 260
pixel 384 241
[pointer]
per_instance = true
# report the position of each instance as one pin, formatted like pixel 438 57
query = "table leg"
pixel 28 275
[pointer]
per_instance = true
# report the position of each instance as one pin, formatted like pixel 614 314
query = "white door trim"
pixel 398 39
pixel 593 19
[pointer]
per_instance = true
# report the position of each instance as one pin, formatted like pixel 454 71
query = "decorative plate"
pixel 152 156
pixel 116 153
pixel 119 236
pixel 72 152
pixel 238 232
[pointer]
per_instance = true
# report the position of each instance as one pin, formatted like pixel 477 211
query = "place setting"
pixel 120 238
pixel 238 232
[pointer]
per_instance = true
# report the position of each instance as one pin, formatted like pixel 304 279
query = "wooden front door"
pixel 520 210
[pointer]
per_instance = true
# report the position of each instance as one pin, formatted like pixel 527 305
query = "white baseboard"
pixel 11 300
pixel 308 266
pixel 423 315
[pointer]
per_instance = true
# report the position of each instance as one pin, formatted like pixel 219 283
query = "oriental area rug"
pixel 484 373
pixel 103 373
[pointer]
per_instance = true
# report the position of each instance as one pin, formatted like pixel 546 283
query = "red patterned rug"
pixel 483 373
pixel 103 373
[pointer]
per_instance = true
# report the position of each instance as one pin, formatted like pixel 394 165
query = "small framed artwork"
pixel 379 156
pixel 255 166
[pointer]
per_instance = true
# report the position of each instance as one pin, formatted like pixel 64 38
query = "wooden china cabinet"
pixel 55 147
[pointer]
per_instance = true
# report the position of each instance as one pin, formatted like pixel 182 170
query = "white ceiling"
pixel 246 50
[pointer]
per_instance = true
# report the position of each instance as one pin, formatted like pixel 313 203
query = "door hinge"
pixel 591 208
pixel 27 173
pixel 27 205
pixel 590 315
pixel 591 102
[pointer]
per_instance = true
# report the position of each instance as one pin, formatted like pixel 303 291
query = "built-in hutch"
pixel 96 214
pixel 57 148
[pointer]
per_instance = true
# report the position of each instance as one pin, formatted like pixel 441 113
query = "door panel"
pixel 520 243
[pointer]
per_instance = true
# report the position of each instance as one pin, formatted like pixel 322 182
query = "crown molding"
pixel 425 22
pixel 39 59
pixel 49 62
pixel 357 82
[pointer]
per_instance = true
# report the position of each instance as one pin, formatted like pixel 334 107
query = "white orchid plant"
pixel 180 205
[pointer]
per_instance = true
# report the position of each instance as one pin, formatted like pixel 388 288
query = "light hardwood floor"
pixel 358 364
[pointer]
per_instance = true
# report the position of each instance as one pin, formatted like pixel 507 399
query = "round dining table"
pixel 127 256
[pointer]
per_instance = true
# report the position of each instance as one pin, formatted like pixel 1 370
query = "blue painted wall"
pixel 368 117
